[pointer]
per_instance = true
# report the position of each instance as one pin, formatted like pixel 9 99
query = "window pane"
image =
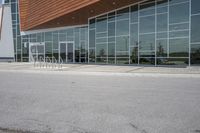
pixel 179 34
pixel 111 29
pixel 162 9
pixel 161 3
pixel 147 42
pixel 147 61
pixel 195 6
pixel 101 40
pixel 134 55
pixel 195 28
pixel 122 27
pixel 111 49
pixel 92 55
pixel 48 49
pixel 55 41
pixel 122 61
pixel 195 53
pixel 134 14
pixel 101 50
pixel 162 35
pixel 179 47
pixel 48 36
pixel 147 24
pixel 162 22
pixel 147 5
pixel 134 34
pixel 92 23
pixel 176 1
pixel 111 16
pixel 179 26
pixel 172 61
pixel 111 39
pixel 101 25
pixel 99 35
pixel 122 43
pixel 161 48
pixel 123 14
pixel 179 13
pixel 92 38
pixel 147 12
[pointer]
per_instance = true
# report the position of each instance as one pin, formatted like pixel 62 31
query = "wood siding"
pixel 37 14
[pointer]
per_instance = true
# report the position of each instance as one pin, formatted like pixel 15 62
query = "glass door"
pixel 66 52
pixel 70 52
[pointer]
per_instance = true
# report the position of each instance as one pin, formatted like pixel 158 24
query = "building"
pixel 135 32
pixel 6 35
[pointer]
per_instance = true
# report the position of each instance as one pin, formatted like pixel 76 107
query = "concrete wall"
pixel 6 40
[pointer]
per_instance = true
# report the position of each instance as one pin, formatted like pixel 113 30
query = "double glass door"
pixel 66 52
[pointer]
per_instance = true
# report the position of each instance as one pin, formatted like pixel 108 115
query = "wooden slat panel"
pixel 37 14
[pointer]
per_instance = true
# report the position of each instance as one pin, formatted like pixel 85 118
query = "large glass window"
pixel 134 34
pixel 179 13
pixel 122 27
pixel 195 29
pixel 195 6
pixel 101 25
pixel 123 14
pixel 161 48
pixel 48 36
pixel 134 14
pixel 111 49
pixel 177 1
pixel 122 43
pixel 92 38
pixel 195 53
pixel 162 23
pixel 101 50
pixel 111 29
pixel 147 24
pixel 147 8
pixel 179 47
pixel 147 42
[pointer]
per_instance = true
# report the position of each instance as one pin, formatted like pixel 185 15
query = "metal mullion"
pixel 115 37
pixel 168 31
pixel 107 40
pixel 129 35
pixel 190 12
pixel 155 45
pixel 138 35
pixel 88 43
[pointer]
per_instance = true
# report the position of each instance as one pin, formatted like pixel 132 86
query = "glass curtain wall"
pixel 154 32
pixel 51 40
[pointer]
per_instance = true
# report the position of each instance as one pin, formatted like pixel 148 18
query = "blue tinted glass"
pixel 179 13
pixel 195 28
pixel 122 27
pixel 179 47
pixel 195 6
pixel 147 24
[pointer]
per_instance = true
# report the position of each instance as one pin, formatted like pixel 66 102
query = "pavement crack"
pixel 137 128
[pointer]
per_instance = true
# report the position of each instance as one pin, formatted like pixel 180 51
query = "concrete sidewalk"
pixel 101 69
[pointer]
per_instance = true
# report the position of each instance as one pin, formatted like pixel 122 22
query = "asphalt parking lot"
pixel 33 101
